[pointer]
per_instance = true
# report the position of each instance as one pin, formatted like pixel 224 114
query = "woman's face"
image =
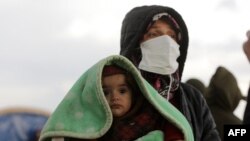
pixel 159 28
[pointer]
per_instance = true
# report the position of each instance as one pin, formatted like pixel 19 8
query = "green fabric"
pixel 152 136
pixel 84 112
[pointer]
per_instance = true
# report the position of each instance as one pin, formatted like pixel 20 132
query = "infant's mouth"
pixel 115 106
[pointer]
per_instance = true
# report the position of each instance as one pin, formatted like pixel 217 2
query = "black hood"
pixel 223 90
pixel 134 26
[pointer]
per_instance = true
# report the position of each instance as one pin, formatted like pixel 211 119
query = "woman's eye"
pixel 151 35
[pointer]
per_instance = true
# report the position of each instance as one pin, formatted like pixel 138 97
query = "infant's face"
pixel 118 94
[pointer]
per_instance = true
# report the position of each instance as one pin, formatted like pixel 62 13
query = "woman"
pixel 155 39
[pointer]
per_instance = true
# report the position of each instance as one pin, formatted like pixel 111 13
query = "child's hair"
pixel 112 70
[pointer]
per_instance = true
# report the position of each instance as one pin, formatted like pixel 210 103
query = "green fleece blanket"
pixel 84 112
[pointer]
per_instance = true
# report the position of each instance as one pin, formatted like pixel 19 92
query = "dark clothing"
pixel 246 119
pixel 195 109
pixel 197 84
pixel 139 124
pixel 192 104
pixel 223 96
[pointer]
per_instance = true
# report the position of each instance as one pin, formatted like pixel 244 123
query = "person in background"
pixel 246 48
pixel 155 39
pixel 223 96
pixel 22 124
pixel 198 84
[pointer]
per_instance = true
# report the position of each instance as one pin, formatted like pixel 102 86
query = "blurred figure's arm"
pixel 246 46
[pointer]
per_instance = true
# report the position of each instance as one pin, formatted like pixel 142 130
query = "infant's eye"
pixel 123 90
pixel 106 92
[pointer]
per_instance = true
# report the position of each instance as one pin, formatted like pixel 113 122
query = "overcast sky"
pixel 45 45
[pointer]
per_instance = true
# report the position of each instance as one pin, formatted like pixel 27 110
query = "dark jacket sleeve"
pixel 196 110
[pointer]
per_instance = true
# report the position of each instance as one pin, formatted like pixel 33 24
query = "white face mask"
pixel 159 55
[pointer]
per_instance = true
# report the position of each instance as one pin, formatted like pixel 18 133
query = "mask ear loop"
pixel 170 85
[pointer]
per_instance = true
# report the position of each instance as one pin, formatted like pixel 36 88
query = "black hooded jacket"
pixel 193 105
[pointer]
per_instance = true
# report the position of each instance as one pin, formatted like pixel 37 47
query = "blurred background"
pixel 45 45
